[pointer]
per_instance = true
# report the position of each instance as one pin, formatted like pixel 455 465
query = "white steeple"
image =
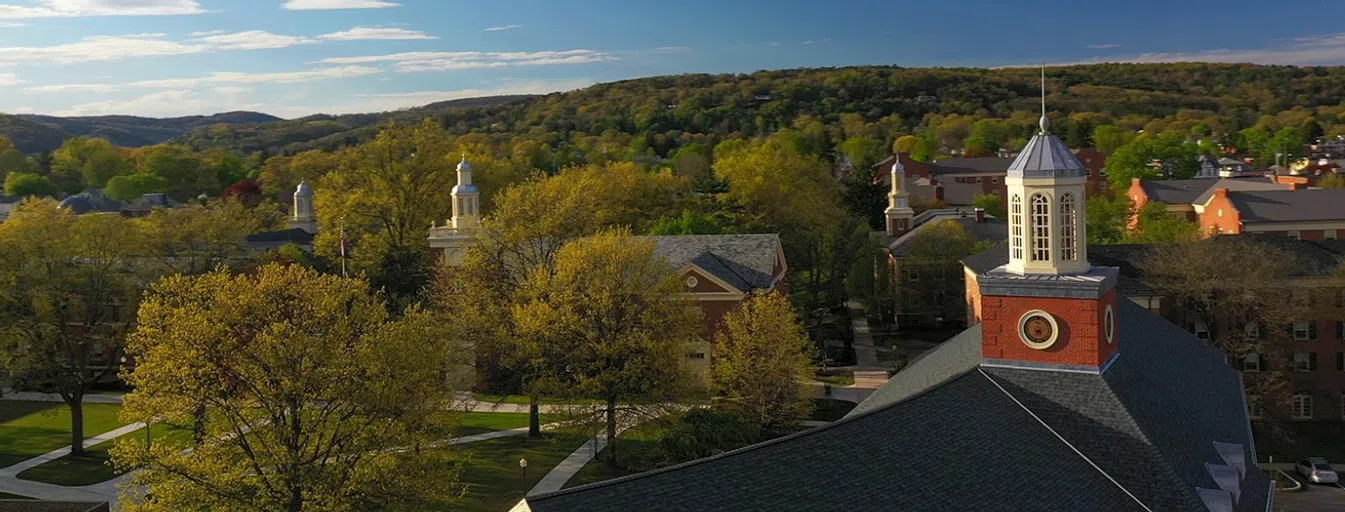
pixel 898 212
pixel 466 199
pixel 1046 206
pixel 304 216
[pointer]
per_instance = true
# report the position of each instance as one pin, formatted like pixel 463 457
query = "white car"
pixel 1317 471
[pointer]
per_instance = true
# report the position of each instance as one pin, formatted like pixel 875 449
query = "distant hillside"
pixel 323 131
pixel 134 131
pixel 30 136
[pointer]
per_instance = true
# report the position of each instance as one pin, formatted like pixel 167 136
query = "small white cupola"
pixel 898 212
pixel 466 198
pixel 305 216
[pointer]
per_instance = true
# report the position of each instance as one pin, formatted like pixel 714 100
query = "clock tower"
pixel 1048 307
pixel 898 212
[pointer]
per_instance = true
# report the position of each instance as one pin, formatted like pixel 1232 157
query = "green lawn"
pixel 633 447
pixel 835 378
pixel 525 399
pixel 29 429
pixel 481 422
pixel 826 409
pixel 93 467
pixel 492 476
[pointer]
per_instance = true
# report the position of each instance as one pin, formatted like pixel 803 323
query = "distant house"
pixel 1314 214
pixel 956 181
pixel 93 201
pixel 301 229
pixel 1186 198
pixel 8 204
pixel 929 291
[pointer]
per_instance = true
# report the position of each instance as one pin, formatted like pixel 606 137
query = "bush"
pixel 701 433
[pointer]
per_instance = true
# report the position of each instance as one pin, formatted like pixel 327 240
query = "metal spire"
pixel 1044 122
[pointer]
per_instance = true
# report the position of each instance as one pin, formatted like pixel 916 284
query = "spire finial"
pixel 1044 122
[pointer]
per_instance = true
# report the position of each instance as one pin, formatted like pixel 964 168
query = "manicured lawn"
pixel 93 466
pixel 835 378
pixel 633 447
pixel 825 409
pixel 480 422
pixel 525 399
pixel 491 474
pixel 29 429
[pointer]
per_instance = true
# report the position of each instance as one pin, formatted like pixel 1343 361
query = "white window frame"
pixel 1302 331
pixel 1295 235
pixel 1200 330
pixel 1068 249
pixel 1040 231
pixel 1302 407
pixel 1302 362
pixel 1252 330
pixel 1329 234
pixel 1016 226
pixel 1255 409
pixel 1251 362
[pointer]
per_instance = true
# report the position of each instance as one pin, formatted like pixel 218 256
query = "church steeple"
pixel 304 216
pixel 898 212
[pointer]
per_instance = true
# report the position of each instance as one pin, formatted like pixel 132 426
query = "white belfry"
pixel 456 238
pixel 304 217
pixel 898 212
pixel 1046 185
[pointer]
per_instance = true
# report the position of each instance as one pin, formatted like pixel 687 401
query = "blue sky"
pixel 297 57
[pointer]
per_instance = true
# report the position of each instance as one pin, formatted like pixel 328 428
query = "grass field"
pixel 491 474
pixel 481 422
pixel 93 467
pixel 29 429
pixel 525 400
pixel 633 445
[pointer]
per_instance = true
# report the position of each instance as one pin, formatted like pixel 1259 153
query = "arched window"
pixel 1016 227
pixel 1041 228
pixel 1068 250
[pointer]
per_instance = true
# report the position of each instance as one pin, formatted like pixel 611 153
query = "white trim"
pixel 713 296
pixel 1109 324
pixel 706 274
pixel 1043 345
pixel 1063 440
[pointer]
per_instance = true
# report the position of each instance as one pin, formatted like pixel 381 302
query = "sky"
pixel 292 58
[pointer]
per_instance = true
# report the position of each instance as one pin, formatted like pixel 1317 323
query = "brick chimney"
pixel 980 214
pixel 1221 192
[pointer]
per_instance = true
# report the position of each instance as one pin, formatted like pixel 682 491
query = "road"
pixel 1313 498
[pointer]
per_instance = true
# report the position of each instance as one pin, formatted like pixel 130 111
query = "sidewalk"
pixel 56 454
pixel 866 356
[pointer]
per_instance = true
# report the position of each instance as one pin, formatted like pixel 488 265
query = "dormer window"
pixel 1041 228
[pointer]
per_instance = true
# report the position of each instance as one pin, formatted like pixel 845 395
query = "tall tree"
pixel 316 398
pixel 612 320
pixel 28 184
pixel 68 296
pixel 760 358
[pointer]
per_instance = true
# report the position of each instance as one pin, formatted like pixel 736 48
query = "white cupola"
pixel 304 216
pixel 1046 185
pixel 898 212
pixel 466 199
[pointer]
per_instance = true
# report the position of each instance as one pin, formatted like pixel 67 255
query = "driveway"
pixel 1313 498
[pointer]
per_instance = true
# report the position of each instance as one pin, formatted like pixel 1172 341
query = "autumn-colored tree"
pixel 1332 180
pixel 759 359
pixel 67 294
pixel 612 323
pixel 929 272
pixel 194 238
pixel 1157 225
pixel 315 397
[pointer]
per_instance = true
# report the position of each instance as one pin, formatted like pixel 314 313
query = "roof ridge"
pixel 1062 438
pixel 844 420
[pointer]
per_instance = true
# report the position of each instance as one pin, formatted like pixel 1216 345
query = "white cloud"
pixel 159 104
pixel 443 61
pixel 368 33
pixel 396 101
pixel 99 48
pixel 208 33
pixel 1327 49
pixel 232 89
pixel 80 8
pixel 253 40
pixel 671 49
pixel 220 77
pixel 313 5
pixel 7 79
pixel 12 24
pixel 808 42
pixel 1103 46
pixel 502 28
pixel 75 88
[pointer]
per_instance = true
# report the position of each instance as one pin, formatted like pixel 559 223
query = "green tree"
pixel 181 169
pixel 759 358
pixel 1165 156
pixel 611 316
pixel 1107 219
pixel 1332 180
pixel 991 203
pixel 1157 226
pixel 126 188
pixel 315 398
pixel 83 162
pixel 11 160
pixel 690 223
pixel 1108 138
pixel 904 144
pixel 28 184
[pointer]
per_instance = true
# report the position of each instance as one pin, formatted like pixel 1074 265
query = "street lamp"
pixel 523 463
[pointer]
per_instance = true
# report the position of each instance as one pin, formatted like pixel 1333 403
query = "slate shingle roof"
pixel 989 165
pixel 1139 432
pixel 1046 155
pixel 1188 191
pixel 745 261
pixel 1289 205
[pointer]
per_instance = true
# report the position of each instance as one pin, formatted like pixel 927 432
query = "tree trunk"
pixel 198 428
pixel 77 425
pixel 611 432
pixel 534 419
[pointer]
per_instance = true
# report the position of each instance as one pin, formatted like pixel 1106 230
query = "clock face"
pixel 1038 329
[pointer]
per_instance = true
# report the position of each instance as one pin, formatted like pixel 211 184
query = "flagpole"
pixel 343 247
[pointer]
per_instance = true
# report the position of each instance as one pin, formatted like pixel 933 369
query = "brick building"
pixel 955 181
pixel 1313 214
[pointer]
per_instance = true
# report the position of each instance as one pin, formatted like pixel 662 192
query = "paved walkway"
pixel 56 454
pixel 866 356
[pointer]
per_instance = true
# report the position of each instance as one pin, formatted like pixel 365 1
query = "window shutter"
pixel 1312 361
pixel 1312 330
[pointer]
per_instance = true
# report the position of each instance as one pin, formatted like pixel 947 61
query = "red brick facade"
pixel 1080 340
pixel 1220 216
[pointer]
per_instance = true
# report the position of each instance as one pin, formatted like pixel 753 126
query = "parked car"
pixel 1317 471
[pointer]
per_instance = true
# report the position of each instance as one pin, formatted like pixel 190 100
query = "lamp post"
pixel 523 464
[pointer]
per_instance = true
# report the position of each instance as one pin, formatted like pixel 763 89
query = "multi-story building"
pixel 1314 214
pixel 956 181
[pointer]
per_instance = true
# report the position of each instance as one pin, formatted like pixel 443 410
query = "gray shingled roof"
pixel 1046 155
pixel 1238 185
pixel 1188 191
pixel 745 261
pixel 1290 205
pixel 989 165
pixel 1068 440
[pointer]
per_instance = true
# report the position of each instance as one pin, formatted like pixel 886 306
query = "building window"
pixel 1068 252
pixel 1329 234
pixel 1252 330
pixel 696 355
pixel 994 180
pixel 1302 407
pixel 1305 361
pixel 1304 331
pixel 1254 407
pixel 1041 228
pixel 1251 363
pixel 912 275
pixel 1201 330
pixel 1340 330
pixel 1295 235
pixel 1016 226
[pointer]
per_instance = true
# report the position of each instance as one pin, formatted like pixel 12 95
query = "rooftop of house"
pixel 1289 205
pixel 988 165
pixel 1142 434
pixel 1188 191
pixel 747 262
